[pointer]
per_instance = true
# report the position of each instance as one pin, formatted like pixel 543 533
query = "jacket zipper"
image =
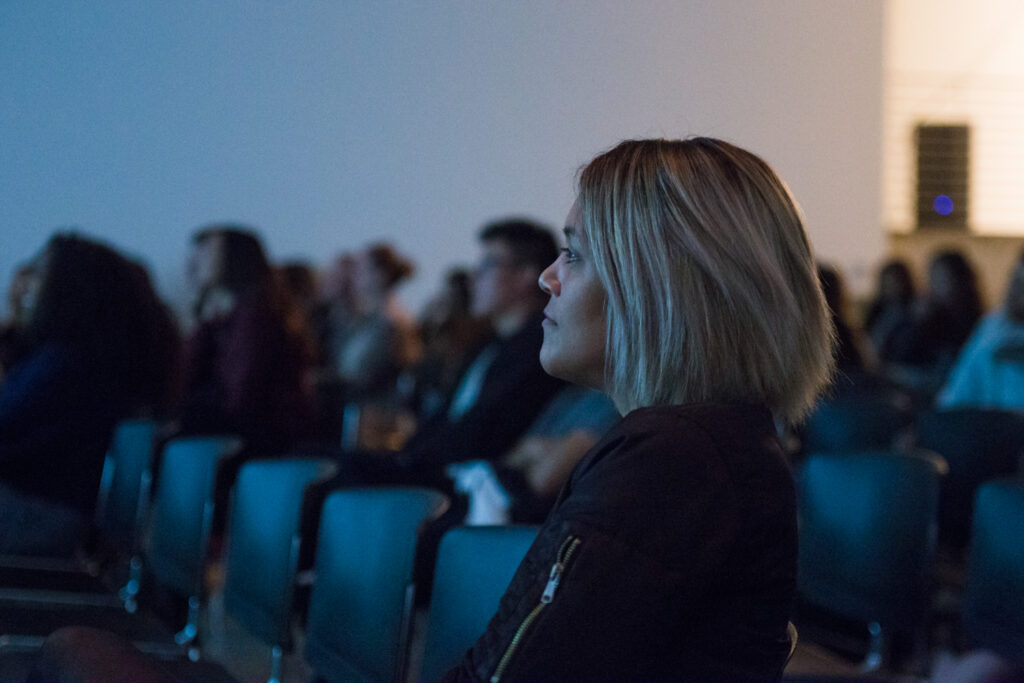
pixel 565 552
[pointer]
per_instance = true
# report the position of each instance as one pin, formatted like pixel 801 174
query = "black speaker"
pixel 942 195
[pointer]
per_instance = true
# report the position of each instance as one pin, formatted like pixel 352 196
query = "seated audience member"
pixel 300 284
pixel 990 370
pixel 301 288
pixel 248 361
pixel 336 301
pixel 891 310
pixel 334 308
pixel 671 553
pixel 450 333
pixel 525 483
pixel 687 293
pixel 95 345
pixel 378 340
pixel 503 387
pixel 924 351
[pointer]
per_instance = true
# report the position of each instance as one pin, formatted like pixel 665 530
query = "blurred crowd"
pixel 934 341
pixel 293 359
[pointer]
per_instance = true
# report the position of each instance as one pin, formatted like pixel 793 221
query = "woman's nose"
pixel 549 284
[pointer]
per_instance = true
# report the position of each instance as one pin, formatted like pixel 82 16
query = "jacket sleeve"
pixel 587 606
pixel 596 598
pixel 616 585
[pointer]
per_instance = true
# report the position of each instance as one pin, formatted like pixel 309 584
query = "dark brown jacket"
pixel 671 555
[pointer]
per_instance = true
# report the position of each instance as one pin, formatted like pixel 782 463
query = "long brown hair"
pixel 103 305
pixel 246 272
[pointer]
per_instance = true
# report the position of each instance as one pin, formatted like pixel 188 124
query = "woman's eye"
pixel 569 254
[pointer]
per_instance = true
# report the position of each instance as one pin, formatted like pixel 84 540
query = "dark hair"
pixel 104 305
pixel 394 267
pixel 531 243
pixel 244 267
pixel 246 272
pixel 899 271
pixel 965 289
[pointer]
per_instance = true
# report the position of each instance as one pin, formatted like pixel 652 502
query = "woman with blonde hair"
pixel 687 292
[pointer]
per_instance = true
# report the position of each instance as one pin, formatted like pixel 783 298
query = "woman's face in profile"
pixel 574 319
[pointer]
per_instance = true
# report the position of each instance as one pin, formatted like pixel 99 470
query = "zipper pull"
pixel 553 579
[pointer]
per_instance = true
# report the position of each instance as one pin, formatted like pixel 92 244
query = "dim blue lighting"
pixel 943 205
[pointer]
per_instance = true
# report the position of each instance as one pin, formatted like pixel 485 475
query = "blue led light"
pixel 943 205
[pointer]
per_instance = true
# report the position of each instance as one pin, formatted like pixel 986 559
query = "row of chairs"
pixel 868 538
pixel 867 548
pixel 360 604
pixel 161 534
pixel 977 444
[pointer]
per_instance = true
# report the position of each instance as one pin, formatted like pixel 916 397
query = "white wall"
pixel 957 61
pixel 328 124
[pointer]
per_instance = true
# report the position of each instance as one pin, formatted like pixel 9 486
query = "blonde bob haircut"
pixel 712 292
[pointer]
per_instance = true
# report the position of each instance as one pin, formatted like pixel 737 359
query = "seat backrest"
pixel 859 420
pixel 474 567
pixel 993 604
pixel 263 543
pixel 182 510
pixel 124 491
pixel 867 534
pixel 978 445
pixel 360 604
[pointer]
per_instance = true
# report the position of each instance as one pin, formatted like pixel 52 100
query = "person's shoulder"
pixel 1000 322
pixel 695 420
pixel 681 437
pixel 696 441
pixel 672 462
pixel 993 329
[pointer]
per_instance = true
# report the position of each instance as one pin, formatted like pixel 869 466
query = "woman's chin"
pixel 569 374
pixel 552 366
pixel 549 367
